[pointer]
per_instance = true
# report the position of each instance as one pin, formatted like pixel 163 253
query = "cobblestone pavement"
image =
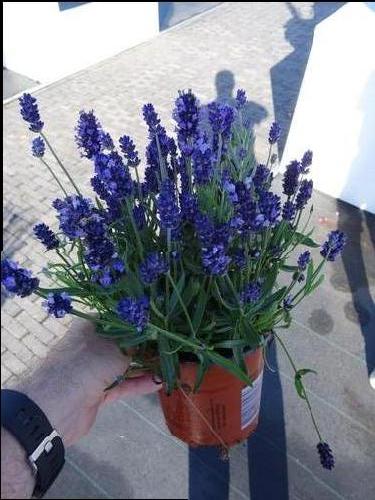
pixel 262 47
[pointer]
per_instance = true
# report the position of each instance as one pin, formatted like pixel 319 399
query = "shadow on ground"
pixel 287 75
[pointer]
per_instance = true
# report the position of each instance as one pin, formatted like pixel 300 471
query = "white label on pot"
pixel 250 401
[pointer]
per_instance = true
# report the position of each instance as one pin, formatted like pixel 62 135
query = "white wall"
pixel 46 44
pixel 335 112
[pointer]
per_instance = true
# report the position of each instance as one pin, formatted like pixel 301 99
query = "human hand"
pixel 69 386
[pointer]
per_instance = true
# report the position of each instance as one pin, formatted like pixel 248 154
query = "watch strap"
pixel 29 425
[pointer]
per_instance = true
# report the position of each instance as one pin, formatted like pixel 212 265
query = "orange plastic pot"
pixel 224 411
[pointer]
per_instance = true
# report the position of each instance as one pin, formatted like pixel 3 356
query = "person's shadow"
pixel 209 474
pixel 359 251
pixel 287 74
pixel 252 112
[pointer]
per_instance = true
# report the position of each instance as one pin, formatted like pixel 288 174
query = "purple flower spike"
pixel 326 456
pixel 274 134
pixel 30 112
pixel 58 304
pixel 334 245
pixel 17 279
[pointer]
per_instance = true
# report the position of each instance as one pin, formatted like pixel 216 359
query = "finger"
pixel 132 387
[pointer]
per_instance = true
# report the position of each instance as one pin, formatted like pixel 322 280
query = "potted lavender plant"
pixel 183 267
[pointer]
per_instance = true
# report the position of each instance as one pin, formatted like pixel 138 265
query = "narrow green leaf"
pixel 310 270
pixel 201 372
pixel 190 291
pixel 298 381
pixel 305 240
pixel 318 282
pixel 199 309
pixel 167 364
pixel 229 344
pixel 289 269
pixel 174 299
pixel 230 366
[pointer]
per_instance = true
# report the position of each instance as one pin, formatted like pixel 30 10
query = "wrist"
pixel 17 478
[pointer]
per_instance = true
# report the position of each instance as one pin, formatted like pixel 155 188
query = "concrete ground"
pixel 263 47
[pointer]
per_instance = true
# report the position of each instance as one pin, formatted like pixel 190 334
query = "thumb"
pixel 136 386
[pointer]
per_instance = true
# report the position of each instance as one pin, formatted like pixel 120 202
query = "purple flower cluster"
pixel 105 140
pixel 221 117
pixel 46 236
pixel 334 245
pixel 238 258
pixel 152 267
pixel 262 176
pixel 88 134
pixel 326 456
pixel 58 304
pixel 304 194
pixel 274 134
pixel 306 161
pixel 134 311
pixel 71 213
pixel 251 293
pixel 186 115
pixel 127 146
pixel 151 118
pixel 100 253
pixel 289 211
pixel 17 279
pixel 229 186
pixel 202 160
pixel 240 99
pixel 303 260
pixel 214 259
pixel 159 148
pixel 38 147
pixel 167 207
pixel 30 112
pixel 114 175
pixel 189 206
pixel 269 208
pixel 290 178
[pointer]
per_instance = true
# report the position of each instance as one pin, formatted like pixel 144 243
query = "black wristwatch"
pixel 43 445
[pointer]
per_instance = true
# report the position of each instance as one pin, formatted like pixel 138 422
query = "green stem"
pixel 137 237
pixel 178 338
pixel 233 290
pixel 66 262
pixel 60 163
pixel 54 176
pixel 304 390
pixel 156 310
pixel 163 170
pixel 182 304
pixel 138 184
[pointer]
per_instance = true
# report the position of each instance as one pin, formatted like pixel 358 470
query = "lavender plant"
pixel 188 259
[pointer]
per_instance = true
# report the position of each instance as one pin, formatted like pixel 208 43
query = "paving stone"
pixel 18 329
pixel 16 346
pixel 5 374
pixel 34 344
pixel 13 363
pixel 34 326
